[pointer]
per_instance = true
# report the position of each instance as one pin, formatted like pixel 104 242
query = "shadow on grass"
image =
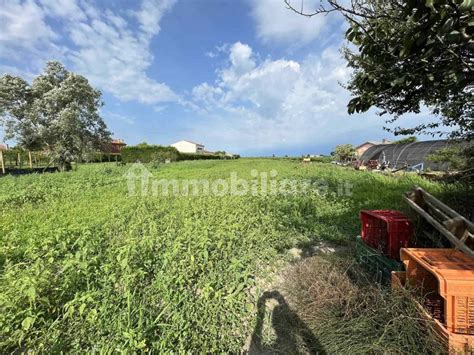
pixel 292 334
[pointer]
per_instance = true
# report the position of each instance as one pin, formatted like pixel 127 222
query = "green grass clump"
pixel 84 266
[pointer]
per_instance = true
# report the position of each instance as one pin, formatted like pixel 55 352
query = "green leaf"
pixel 27 323
pixel 31 293
pixel 82 307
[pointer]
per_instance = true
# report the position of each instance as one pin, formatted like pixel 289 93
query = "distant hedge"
pixel 201 156
pixel 158 153
pixel 149 153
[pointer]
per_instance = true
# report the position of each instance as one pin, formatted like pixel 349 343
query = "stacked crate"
pixel 383 233
pixel 386 231
pixel 444 278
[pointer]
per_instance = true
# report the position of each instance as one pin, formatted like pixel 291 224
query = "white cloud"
pixel 282 104
pixel 150 14
pixel 279 103
pixel 276 23
pixel 63 9
pixel 107 50
pixel 22 25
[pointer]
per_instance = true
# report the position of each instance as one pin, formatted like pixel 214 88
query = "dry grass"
pixel 348 313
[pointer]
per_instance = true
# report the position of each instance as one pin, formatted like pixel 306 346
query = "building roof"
pixel 409 153
pixel 185 140
pixel 118 142
pixel 373 143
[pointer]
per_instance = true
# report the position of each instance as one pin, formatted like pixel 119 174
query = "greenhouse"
pixel 411 155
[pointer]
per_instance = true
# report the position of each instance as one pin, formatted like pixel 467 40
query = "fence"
pixel 19 160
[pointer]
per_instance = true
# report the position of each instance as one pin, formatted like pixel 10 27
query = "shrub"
pixel 149 153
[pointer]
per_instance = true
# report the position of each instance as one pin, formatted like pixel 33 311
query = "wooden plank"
pixel 446 209
pixel 455 241
pixel 437 212
pixel 3 164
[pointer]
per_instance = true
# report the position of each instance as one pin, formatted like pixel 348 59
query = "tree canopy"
pixel 344 152
pixel 57 113
pixel 406 54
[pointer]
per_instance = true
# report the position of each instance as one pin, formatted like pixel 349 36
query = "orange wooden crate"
pixel 446 274
pixel 455 343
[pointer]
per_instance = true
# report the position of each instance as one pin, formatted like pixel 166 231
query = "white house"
pixel 188 147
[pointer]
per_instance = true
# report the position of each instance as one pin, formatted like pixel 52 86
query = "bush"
pixel 99 157
pixel 149 153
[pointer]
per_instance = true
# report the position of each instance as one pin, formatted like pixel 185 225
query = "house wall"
pixel 187 147
pixel 361 150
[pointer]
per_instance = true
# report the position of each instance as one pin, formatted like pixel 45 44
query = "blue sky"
pixel 248 77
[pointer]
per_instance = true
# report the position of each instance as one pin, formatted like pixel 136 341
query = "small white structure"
pixel 188 147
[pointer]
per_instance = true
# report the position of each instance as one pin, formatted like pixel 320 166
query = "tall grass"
pixel 85 267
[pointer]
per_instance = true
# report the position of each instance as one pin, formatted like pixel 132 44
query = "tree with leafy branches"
pixel 344 152
pixel 57 113
pixel 406 54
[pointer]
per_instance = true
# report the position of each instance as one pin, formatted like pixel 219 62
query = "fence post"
pixel 3 164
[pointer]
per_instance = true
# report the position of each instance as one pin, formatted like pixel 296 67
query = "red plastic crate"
pixel 386 231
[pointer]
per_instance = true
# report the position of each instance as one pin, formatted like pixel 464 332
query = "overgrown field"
pixel 85 266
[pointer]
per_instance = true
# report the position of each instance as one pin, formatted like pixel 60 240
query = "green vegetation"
pixel 149 153
pixel 344 152
pixel 84 266
pixel 57 114
pixel 457 156
pixel 146 153
pixel 322 159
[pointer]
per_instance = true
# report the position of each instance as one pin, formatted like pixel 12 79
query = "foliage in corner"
pixel 410 54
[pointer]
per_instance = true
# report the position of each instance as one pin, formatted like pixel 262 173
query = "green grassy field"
pixel 84 266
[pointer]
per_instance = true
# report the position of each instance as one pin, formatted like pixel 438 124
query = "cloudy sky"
pixel 246 76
